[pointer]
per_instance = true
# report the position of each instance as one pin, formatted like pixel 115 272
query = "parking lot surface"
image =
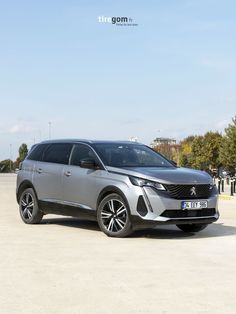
pixel 65 265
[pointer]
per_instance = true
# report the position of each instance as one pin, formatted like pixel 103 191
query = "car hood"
pixel 166 175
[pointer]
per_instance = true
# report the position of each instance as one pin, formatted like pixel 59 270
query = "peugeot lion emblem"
pixel 193 191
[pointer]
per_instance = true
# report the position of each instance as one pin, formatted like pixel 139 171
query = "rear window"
pixel 37 151
pixel 58 153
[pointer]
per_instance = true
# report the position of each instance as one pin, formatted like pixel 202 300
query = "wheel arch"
pixel 109 190
pixel 26 184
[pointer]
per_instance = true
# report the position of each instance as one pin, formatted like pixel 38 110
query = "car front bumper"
pixel 163 209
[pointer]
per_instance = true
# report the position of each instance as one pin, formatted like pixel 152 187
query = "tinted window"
pixel 130 155
pixel 58 153
pixel 80 152
pixel 37 151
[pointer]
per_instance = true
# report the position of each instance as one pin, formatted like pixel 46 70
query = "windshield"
pixel 129 155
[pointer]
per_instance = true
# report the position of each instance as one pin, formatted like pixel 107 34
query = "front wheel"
pixel 29 209
pixel 113 216
pixel 192 227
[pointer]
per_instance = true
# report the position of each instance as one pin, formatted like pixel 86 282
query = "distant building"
pixel 133 139
pixel 163 140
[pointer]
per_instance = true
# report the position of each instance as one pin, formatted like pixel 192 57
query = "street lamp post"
pixel 40 136
pixel 10 157
pixel 49 129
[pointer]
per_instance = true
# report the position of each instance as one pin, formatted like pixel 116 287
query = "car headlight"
pixel 142 182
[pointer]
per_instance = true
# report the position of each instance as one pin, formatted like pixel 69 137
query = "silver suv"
pixel 124 186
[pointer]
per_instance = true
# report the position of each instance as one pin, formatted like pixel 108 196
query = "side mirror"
pixel 88 164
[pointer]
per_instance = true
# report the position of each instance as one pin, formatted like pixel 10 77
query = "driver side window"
pixel 81 152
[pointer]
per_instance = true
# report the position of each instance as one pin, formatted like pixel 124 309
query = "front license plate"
pixel 194 205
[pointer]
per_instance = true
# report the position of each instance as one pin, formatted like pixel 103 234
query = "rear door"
pixel 48 173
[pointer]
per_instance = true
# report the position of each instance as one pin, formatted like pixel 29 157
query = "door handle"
pixel 67 173
pixel 39 170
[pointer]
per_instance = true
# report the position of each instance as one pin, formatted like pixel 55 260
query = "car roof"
pixel 85 141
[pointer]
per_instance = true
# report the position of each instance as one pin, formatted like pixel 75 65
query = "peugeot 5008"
pixel 124 186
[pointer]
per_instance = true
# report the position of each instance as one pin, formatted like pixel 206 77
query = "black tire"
pixel 28 205
pixel 192 227
pixel 113 216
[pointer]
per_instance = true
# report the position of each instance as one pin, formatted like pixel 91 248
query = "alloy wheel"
pixel 114 215
pixel 27 205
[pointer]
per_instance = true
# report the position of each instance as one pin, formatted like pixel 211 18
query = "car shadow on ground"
pixel 72 222
pixel 172 232
pixel 160 232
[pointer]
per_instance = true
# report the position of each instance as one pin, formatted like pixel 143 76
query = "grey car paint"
pixel 47 180
pixel 167 175
pixel 76 186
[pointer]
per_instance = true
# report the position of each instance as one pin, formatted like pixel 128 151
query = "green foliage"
pixel 23 151
pixel 228 147
pixel 6 165
pixel 213 141
pixel 198 160
pixel 185 159
pixel 202 151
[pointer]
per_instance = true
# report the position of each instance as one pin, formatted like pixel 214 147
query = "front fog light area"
pixel 142 182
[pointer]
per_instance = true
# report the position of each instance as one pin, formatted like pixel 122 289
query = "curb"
pixel 227 197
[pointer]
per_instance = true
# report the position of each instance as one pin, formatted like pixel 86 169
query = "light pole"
pixel 10 157
pixel 40 136
pixel 49 129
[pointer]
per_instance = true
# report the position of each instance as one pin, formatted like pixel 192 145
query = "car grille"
pixel 196 191
pixel 180 213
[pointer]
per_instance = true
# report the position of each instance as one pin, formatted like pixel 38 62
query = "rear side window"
pixel 58 153
pixel 37 152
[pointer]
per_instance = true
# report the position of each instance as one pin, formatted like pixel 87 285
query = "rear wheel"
pixel 113 216
pixel 28 206
pixel 192 227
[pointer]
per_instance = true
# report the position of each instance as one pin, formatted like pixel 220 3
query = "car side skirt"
pixel 67 210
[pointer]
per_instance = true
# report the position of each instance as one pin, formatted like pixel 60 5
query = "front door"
pixel 80 184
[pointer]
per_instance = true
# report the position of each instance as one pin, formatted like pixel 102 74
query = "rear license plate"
pixel 194 205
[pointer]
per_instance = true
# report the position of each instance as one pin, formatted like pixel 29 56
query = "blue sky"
pixel 172 75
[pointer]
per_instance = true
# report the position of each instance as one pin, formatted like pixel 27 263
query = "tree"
pixel 170 151
pixel 228 147
pixel 212 144
pixel 164 149
pixel 201 151
pixel 23 151
pixel 6 165
pixel 17 163
pixel 185 159
pixel 198 151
